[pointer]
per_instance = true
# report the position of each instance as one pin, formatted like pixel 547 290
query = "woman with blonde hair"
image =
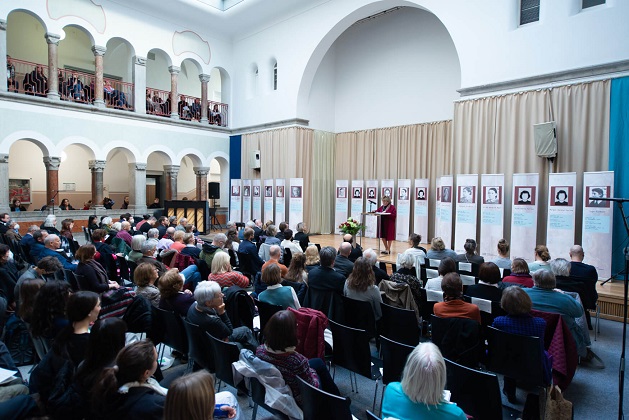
pixel 222 272
pixel 438 250
pixel 542 259
pixel 192 397
pixel 360 285
pixel 312 257
pixel 178 244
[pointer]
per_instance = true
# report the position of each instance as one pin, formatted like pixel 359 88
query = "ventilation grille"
pixel 529 11
pixel 591 3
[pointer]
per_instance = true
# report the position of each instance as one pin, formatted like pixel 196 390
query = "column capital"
pixel 139 166
pixel 204 78
pixel 174 69
pixel 172 169
pixel 4 158
pixel 96 165
pixel 52 38
pixel 52 163
pixel 201 170
pixel 139 61
pixel 99 50
pixel 3 25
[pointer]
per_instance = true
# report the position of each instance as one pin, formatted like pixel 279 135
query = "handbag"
pixel 557 408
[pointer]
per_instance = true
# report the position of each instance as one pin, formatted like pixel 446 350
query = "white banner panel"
pixel 561 213
pixel 598 221
pixel 387 187
pixel 235 201
pixel 269 193
pixel 340 209
pixel 466 210
pixel 492 214
pixel 358 200
pixel 296 203
pixel 524 216
pixel 420 219
pixel 371 222
pixel 403 221
pixel 256 200
pixel 280 202
pixel 444 194
pixel 246 200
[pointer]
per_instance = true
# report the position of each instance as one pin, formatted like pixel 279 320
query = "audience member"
pixel 173 298
pixel 323 278
pixel 16 205
pixel 39 236
pixel 124 233
pixel 177 241
pixel 312 257
pixel 542 259
pixel 28 289
pixel 297 269
pixel 65 205
pixel 249 248
pixel 361 286
pixel 90 274
pixel 438 250
pixel 453 305
pixel 584 273
pixel 136 248
pixel 407 274
pixel 155 204
pixel 447 265
pixel 275 293
pixel 192 397
pixel 415 249
pixel 208 251
pixel 52 245
pixel 275 252
pixel 190 248
pixel 49 313
pixel 357 250
pixel 271 239
pixel 144 278
pixel 222 272
pixel 49 224
pixel 520 274
pixel 488 283
pixel 9 275
pixel 342 264
pixel 371 256
pixel 470 254
pixel 287 242
pixel 28 240
pixel 302 236
pixel 503 260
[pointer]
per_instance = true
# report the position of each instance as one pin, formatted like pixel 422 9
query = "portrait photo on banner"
pixel 256 191
pixel 235 190
pixel 268 191
pixel 295 192
pixel 561 196
pixel 446 194
pixel 371 192
pixel 386 192
pixel 594 194
pixel 280 191
pixel 467 194
pixel 246 191
pixel 420 193
pixel 492 195
pixel 357 192
pixel 524 195
pixel 341 192
pixel 403 193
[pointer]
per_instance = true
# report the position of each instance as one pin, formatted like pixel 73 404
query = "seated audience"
pixel 177 239
pixel 488 283
pixel 208 251
pixel 360 285
pixel 357 250
pixel 415 250
pixel 209 313
pixel 420 393
pixel 190 248
pixel 312 257
pixel 280 234
pixel 125 228
pixel 470 255
pixel 371 256
pixel 542 259
pixel 49 312
pixel 192 397
pixel 323 279
pixel 280 341
pixel 503 260
pixel 275 252
pixel 28 239
pixel 249 248
pixel 271 232
pixel 13 233
pixel 173 298
pixel 447 265
pixel 92 275
pixel 9 276
pixel 28 290
pixel 453 305
pixel 406 274
pixel 520 274
pixel 287 243
pixel 136 248
pixel 438 250
pixel 297 269
pixel 275 293
pixel 65 205
pixel 342 264
pixel 16 205
pixel 49 224
pixel 222 272
pixel 52 245
pixel 144 278
pixel 302 236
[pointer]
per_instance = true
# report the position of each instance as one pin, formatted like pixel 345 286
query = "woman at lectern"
pixel 387 223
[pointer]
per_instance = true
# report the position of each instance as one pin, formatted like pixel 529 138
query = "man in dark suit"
pixel 323 282
pixel 257 229
pixel 584 273
pixel 52 245
pixel 28 240
pixel 249 248
pixel 4 222
pixel 357 250
pixel 342 264
pixel 370 255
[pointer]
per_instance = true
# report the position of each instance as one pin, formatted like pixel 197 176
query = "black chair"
pixel 357 314
pixel 72 280
pixel 245 265
pixel 426 309
pixel 322 300
pixel 200 346
pixel 399 324
pixel 516 356
pixel 266 311
pixel 383 266
pixel 87 234
pixel 394 357
pixel 26 251
pixel 125 272
pixel 487 319
pixel 300 289
pixel 458 339
pixel 224 355
pixel 476 392
pixel 233 260
pixel 174 332
pixel 318 247
pixel 288 256
pixel 351 351
pixel 371 416
pixel 258 393
pixel 132 266
pixel 318 404
pixel 472 272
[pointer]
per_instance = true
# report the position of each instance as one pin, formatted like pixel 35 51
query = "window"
pixel 529 11
pixel 275 76
pixel 591 3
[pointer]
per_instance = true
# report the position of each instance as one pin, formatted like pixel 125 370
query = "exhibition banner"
pixel 371 222
pixel 341 202
pixel 256 200
pixel 387 188
pixel 492 214
pixel 466 210
pixel 524 204
pixel 235 201
pixel 246 200
pixel 269 193
pixel 420 219
pixel 358 200
pixel 296 203
pixel 280 202
pixel 444 200
pixel 598 221
pixel 403 221
pixel 561 213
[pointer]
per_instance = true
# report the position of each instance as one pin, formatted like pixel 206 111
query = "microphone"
pixel 616 200
pixel 372 202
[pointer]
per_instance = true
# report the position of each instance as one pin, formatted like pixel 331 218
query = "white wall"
pixel 322 100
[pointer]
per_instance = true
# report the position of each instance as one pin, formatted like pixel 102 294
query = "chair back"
pixel 258 394
pixel 233 260
pixel 394 355
pixel 399 324
pixel 351 349
pixel 321 300
pixel 266 311
pixel 516 356
pixel 87 234
pixel 476 392
pixel 288 256
pixel 357 314
pixel 125 273
pixel 426 307
pixel 433 263
pixel 244 264
pixel 200 346
pixel 169 258
pixel 132 266
pixel 504 272
pixel 458 339
pixel 318 404
pixel 469 269
pixel 224 355
pixel 72 280
pixel 371 416
pixel 174 331
pixel 432 273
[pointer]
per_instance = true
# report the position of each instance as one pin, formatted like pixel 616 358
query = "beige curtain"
pixel 495 135
pixel 323 161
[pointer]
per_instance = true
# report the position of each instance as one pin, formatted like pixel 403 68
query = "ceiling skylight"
pixel 221 5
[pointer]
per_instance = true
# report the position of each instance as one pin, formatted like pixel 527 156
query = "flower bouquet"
pixel 351 226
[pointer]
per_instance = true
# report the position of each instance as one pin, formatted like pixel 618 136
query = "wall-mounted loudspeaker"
pixel 545 139
pixel 255 159
pixel 214 190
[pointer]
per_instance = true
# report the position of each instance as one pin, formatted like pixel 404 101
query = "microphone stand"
pixel 52 201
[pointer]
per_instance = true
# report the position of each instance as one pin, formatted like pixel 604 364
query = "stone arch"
pixel 157 74
pixel 194 155
pixel 44 143
pixel 31 14
pixel 118 60
pixel 225 89
pixel 26 38
pixel 188 83
pixel 162 150
pixel 117 179
pixel 84 143
pixel 81 28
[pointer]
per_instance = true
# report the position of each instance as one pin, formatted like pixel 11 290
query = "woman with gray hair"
pixel 406 274
pixel 49 224
pixel 271 231
pixel 209 313
pixel 136 248
pixel 420 393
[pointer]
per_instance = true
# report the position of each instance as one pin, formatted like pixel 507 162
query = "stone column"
pixel 52 179
pixel 97 167
pixel 201 173
pixel 53 78
pixel 204 78
pixel 137 188
pixel 171 172
pixel 174 73
pixel 3 60
pixel 139 84
pixel 4 183
pixel 99 95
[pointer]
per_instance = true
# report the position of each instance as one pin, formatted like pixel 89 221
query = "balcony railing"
pixel 188 107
